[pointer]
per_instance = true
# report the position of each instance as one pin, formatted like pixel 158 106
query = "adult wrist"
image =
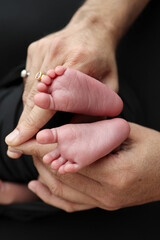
pixel 113 18
pixel 85 18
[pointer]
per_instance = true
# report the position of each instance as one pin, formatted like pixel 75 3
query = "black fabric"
pixel 129 224
pixel 11 89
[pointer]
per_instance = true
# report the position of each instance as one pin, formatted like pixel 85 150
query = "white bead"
pixel 24 73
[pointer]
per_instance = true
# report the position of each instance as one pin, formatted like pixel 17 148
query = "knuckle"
pixel 29 99
pixel 76 55
pixel 33 93
pixel 121 184
pixel 36 152
pixel 34 46
pixel 31 48
pixel 117 196
pixel 29 102
pixel 56 45
pixel 56 189
pixel 30 123
pixel 124 180
pixel 40 44
pixel 121 178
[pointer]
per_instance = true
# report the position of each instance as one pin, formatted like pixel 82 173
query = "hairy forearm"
pixel 114 16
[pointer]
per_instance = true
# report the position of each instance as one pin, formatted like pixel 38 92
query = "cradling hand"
pixel 125 178
pixel 85 46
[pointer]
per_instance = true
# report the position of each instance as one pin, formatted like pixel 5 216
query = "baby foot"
pixel 69 90
pixel 81 144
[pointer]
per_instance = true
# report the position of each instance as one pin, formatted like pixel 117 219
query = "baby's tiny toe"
pixel 45 136
pixel 41 87
pixel 52 156
pixel 71 167
pixel 61 170
pixel 56 164
pixel 51 73
pixel 47 159
pixel 60 70
pixel 44 100
pixel 46 80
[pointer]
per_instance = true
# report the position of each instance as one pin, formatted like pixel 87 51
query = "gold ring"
pixel 39 76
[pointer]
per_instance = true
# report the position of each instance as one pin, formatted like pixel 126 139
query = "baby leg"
pixel 81 144
pixel 74 91
pixel 15 193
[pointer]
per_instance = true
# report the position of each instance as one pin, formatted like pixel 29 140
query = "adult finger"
pixel 48 197
pixel 38 60
pixel 32 147
pixel 32 66
pixel 50 176
pixel 27 128
pixel 84 185
pixel 36 53
pixel 61 189
pixel 77 181
pixel 32 118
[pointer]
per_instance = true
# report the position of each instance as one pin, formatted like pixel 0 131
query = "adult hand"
pixel 86 46
pixel 128 177
pixel 37 150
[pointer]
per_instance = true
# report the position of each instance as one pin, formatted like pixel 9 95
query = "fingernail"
pixel 13 155
pixel 12 136
pixel 11 149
